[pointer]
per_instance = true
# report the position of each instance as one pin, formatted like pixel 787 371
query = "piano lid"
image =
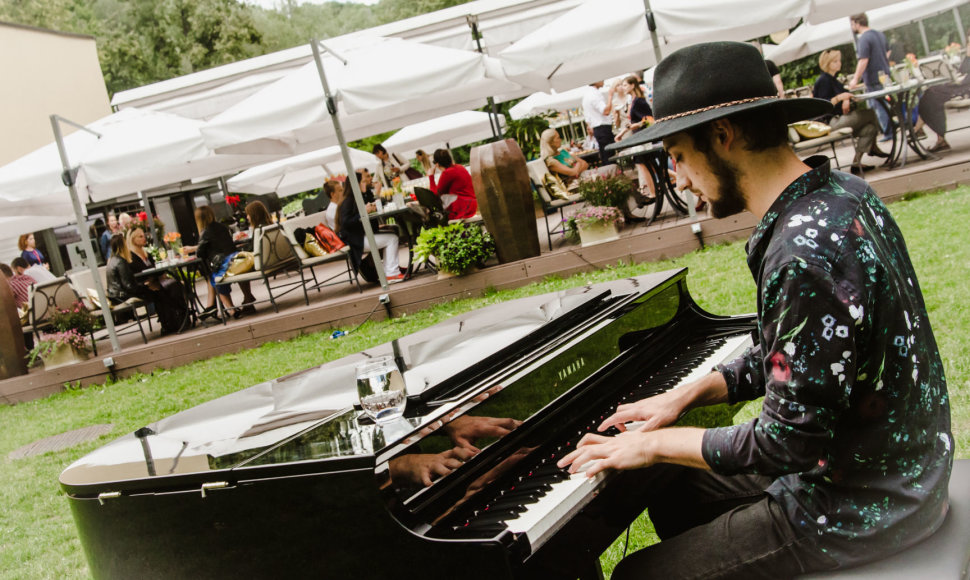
pixel 231 430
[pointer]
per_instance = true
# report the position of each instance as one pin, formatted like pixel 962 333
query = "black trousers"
pixel 604 137
pixel 713 526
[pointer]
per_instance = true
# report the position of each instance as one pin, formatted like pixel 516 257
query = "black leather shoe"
pixel 877 152
pixel 859 169
pixel 207 313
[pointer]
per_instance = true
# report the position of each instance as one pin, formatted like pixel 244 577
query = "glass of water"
pixel 380 387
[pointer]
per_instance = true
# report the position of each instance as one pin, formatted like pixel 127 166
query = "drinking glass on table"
pixel 380 387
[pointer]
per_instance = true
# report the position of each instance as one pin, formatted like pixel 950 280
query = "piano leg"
pixel 593 572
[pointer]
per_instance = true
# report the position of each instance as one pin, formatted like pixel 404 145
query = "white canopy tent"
pixel 809 39
pixel 123 153
pixel 445 132
pixel 540 102
pixel 605 38
pixel 204 94
pixel 300 172
pixel 137 150
pixel 378 89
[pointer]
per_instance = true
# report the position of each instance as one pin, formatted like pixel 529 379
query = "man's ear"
pixel 723 134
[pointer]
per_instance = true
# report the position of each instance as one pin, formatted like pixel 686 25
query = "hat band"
pixel 711 108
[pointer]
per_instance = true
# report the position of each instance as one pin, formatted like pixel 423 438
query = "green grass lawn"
pixel 37 534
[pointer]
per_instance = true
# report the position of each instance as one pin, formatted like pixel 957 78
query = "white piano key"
pixel 545 517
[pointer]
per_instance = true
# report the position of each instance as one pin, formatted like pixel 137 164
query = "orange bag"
pixel 328 240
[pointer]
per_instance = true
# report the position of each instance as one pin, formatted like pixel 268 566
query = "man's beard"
pixel 730 199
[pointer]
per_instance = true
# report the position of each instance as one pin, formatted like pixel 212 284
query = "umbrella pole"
pixel 68 178
pixel 354 186
pixel 493 119
pixel 652 26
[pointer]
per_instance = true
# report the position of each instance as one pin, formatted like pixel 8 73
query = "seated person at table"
pixel 453 186
pixel 369 187
pixel 558 160
pixel 216 250
pixel 932 111
pixel 122 285
pixel 36 271
pixel 845 112
pixel 170 303
pixel 350 228
pixel 19 284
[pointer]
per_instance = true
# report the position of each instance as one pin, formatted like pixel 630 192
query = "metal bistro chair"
pixel 126 316
pixel 550 205
pixel 273 255
pixel 437 216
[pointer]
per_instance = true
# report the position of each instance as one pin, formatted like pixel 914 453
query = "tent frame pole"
pixel 493 120
pixel 345 152
pixel 69 180
pixel 652 27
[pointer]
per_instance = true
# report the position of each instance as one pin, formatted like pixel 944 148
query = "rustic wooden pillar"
pixel 504 193
pixel 12 350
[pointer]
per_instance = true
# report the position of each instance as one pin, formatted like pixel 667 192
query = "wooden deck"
pixel 342 305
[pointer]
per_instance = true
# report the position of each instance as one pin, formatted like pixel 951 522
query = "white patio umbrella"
pixel 809 39
pixel 123 153
pixel 445 132
pixel 300 172
pixel 540 102
pixel 605 38
pixel 385 84
pixel 825 10
pixel 137 150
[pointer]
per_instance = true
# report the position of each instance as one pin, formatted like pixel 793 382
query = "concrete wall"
pixel 46 72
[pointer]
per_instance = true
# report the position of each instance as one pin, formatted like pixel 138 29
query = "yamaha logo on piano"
pixel 572 368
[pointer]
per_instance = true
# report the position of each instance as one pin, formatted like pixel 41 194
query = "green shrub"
pixel 455 248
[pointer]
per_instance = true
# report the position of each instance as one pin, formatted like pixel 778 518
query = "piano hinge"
pixel 108 495
pixel 213 485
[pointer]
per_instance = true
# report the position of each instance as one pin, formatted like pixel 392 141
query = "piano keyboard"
pixel 541 500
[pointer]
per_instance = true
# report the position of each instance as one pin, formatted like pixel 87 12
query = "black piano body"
pixel 287 479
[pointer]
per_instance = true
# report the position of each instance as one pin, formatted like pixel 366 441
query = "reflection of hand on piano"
pixel 464 430
pixel 422 468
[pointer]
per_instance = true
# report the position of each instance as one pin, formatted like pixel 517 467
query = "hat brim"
pixel 794 109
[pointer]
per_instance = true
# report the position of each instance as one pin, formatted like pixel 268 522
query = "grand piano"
pixel 288 479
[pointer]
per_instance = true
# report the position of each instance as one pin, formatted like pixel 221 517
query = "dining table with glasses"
pixel 654 156
pixel 900 100
pixel 184 270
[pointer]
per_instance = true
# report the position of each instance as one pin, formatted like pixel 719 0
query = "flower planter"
pixel 63 355
pixel 598 233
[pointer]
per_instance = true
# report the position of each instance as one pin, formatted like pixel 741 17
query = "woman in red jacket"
pixel 454 187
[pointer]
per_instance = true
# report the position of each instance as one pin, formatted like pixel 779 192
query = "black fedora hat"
pixel 708 81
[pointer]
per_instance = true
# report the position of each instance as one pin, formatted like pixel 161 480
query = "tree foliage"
pixel 145 41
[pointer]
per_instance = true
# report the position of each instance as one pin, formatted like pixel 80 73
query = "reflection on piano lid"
pixel 492 396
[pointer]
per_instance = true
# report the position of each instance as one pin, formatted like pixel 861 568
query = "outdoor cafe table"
pixel 655 158
pixel 900 100
pixel 410 223
pixel 183 271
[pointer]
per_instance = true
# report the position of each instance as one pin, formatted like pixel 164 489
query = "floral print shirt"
pixel 855 424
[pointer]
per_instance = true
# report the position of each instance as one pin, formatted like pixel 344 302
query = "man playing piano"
pixel 850 456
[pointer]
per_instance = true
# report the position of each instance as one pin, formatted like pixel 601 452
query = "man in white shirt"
pixel 596 110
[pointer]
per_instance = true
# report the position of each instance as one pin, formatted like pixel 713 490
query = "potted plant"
pixel 612 190
pixel 596 224
pixel 456 248
pixel 68 342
